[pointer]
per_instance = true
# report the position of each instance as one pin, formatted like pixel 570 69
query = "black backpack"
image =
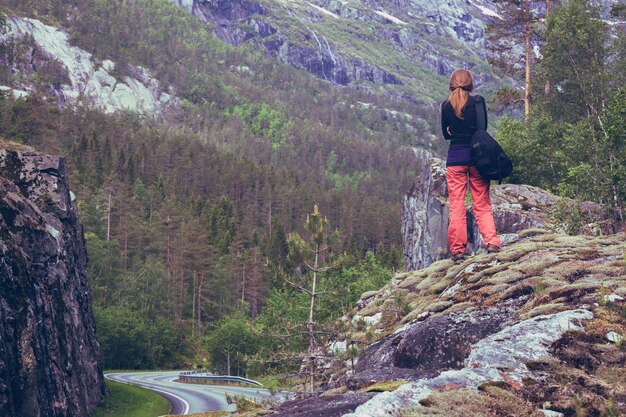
pixel 487 155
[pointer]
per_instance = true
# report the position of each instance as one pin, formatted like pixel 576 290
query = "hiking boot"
pixel 493 248
pixel 458 257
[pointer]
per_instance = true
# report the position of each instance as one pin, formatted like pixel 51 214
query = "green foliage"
pixel 534 150
pixel 574 61
pixel 351 180
pixel 568 217
pixel 350 282
pixel 221 224
pixel 272 123
pixel 287 309
pixel 129 340
pixel 187 213
pixel 574 144
pixel 128 400
pixel 230 344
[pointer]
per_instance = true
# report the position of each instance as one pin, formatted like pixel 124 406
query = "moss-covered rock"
pixel 562 281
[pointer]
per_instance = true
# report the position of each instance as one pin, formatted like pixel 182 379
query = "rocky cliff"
pixel 48 348
pixel 41 59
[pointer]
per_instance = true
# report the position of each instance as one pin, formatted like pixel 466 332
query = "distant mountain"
pixel 409 47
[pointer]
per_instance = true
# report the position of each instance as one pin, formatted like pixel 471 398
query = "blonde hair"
pixel 461 84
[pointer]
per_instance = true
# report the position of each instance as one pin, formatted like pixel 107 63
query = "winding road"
pixel 190 398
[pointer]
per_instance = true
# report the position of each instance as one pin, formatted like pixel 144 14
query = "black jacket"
pixel 462 129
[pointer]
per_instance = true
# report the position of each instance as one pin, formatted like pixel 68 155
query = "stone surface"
pixel 531 319
pixel 500 357
pixel 48 349
pixel 550 413
pixel 614 337
pixel 295 33
pixel 426 348
pixel 406 47
pixel 425 218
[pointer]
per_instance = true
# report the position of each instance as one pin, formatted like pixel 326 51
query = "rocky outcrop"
pixel 424 350
pixel 534 325
pixel 406 47
pixel 425 218
pixel 237 22
pixel 499 358
pixel 515 208
pixel 48 349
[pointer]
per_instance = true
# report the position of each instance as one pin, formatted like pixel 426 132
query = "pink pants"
pixel 481 203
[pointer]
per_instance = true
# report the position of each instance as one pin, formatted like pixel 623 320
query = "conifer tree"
pixel 314 254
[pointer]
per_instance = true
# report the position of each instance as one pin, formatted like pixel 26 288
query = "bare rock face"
pixel 516 207
pixel 498 358
pixel 425 349
pixel 425 217
pixel 48 349
pixel 523 320
pixel 237 22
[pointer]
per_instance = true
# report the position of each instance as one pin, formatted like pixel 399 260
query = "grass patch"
pixel 492 401
pixel 129 400
pixel 277 382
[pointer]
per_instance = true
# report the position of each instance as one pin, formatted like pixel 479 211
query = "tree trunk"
pixel 243 284
pixel 168 259
pixel 228 362
pixel 255 285
pixel 109 216
pixel 528 53
pixel 125 243
pixel 193 305
pixel 169 246
pixel 200 303
pixel 311 323
pixel 546 87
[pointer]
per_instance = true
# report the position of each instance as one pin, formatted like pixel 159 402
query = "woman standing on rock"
pixel 458 124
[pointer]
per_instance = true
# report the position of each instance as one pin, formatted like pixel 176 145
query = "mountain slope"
pixel 73 76
pixel 249 107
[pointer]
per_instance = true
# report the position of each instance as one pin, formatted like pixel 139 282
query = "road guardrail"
pixel 194 376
